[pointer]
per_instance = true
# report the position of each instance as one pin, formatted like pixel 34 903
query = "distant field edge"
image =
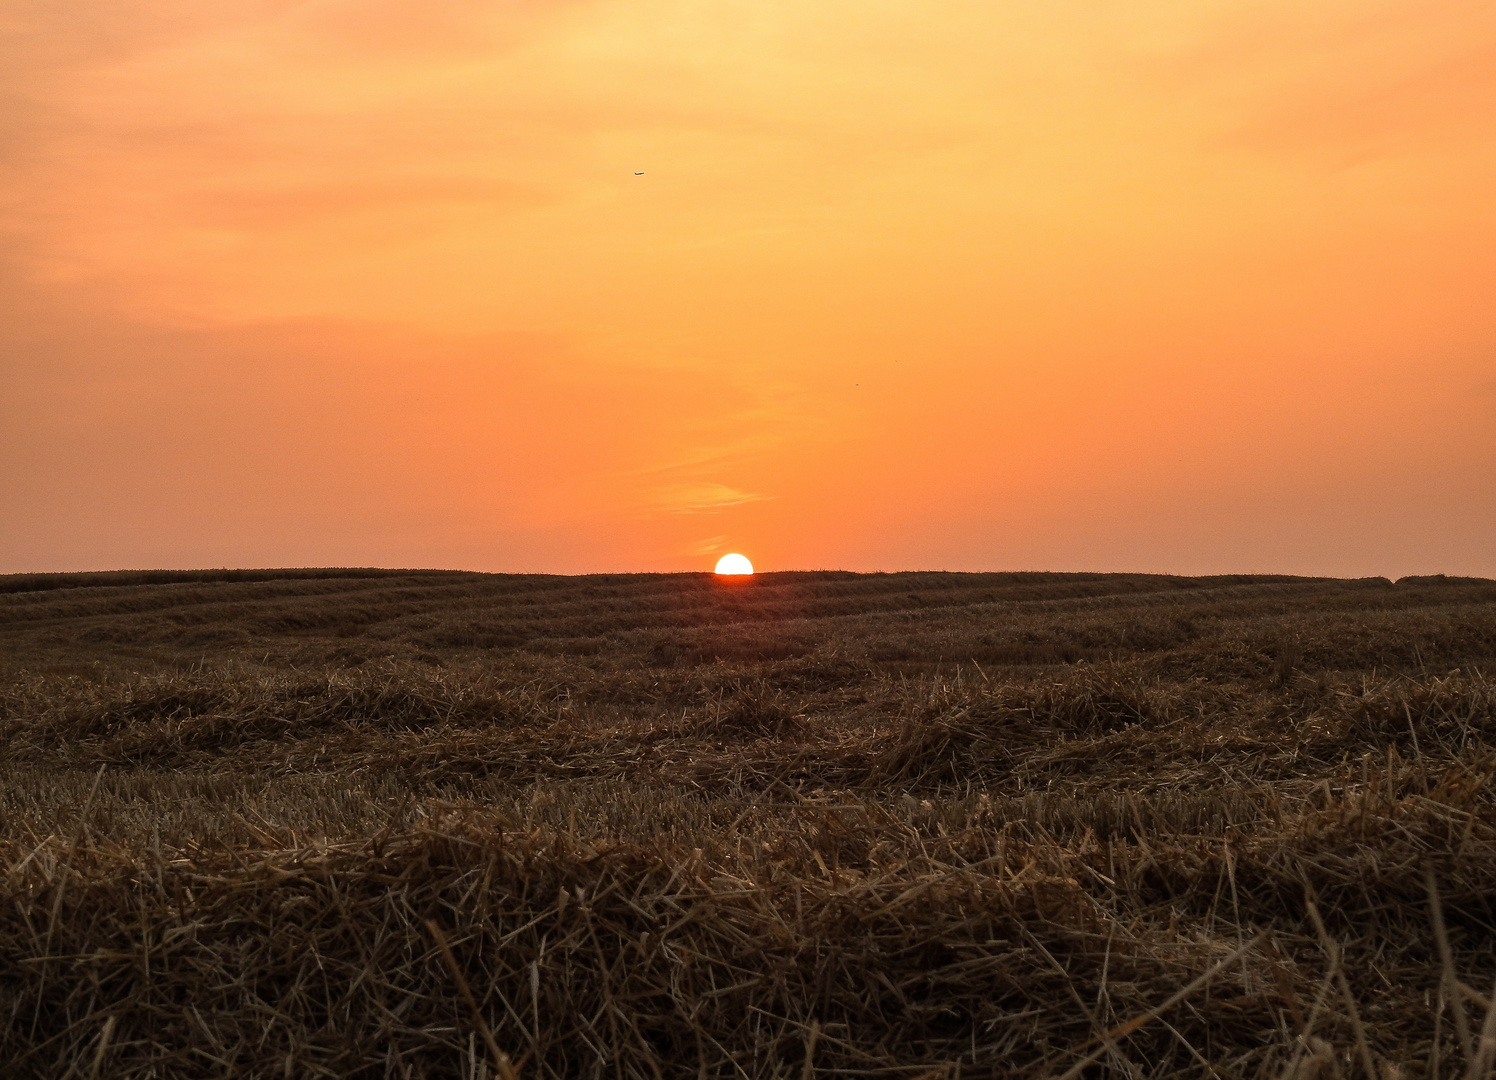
pixel 48 581
pixel 85 579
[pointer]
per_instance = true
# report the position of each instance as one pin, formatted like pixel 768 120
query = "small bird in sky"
pixel 638 174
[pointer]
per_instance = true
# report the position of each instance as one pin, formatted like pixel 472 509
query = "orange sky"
pixel 967 284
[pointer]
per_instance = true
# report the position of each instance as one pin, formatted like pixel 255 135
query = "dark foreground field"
pixel 356 823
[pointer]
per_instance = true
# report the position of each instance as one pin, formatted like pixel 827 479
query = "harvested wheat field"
pixel 398 824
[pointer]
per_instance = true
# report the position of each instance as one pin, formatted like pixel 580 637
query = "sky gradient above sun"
pixel 1192 287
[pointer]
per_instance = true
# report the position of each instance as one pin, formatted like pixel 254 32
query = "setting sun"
pixel 734 564
pixel 377 377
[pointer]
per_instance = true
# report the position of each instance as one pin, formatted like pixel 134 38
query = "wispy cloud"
pixel 701 498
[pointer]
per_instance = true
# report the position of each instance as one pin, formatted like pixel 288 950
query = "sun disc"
pixel 734 564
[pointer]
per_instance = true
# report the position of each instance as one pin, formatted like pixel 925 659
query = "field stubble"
pixel 353 823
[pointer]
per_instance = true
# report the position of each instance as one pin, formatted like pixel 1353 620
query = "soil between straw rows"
pixel 420 824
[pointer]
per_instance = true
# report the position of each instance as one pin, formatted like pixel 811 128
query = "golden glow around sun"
pixel 734 564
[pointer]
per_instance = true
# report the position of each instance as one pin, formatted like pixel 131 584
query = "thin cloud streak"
pixel 703 498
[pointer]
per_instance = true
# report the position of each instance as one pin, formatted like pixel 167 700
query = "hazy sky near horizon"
pixel 1053 284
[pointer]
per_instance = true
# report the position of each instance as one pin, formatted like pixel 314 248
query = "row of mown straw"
pixel 1109 725
pixel 460 948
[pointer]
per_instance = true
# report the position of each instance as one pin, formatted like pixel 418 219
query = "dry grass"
pixel 905 825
